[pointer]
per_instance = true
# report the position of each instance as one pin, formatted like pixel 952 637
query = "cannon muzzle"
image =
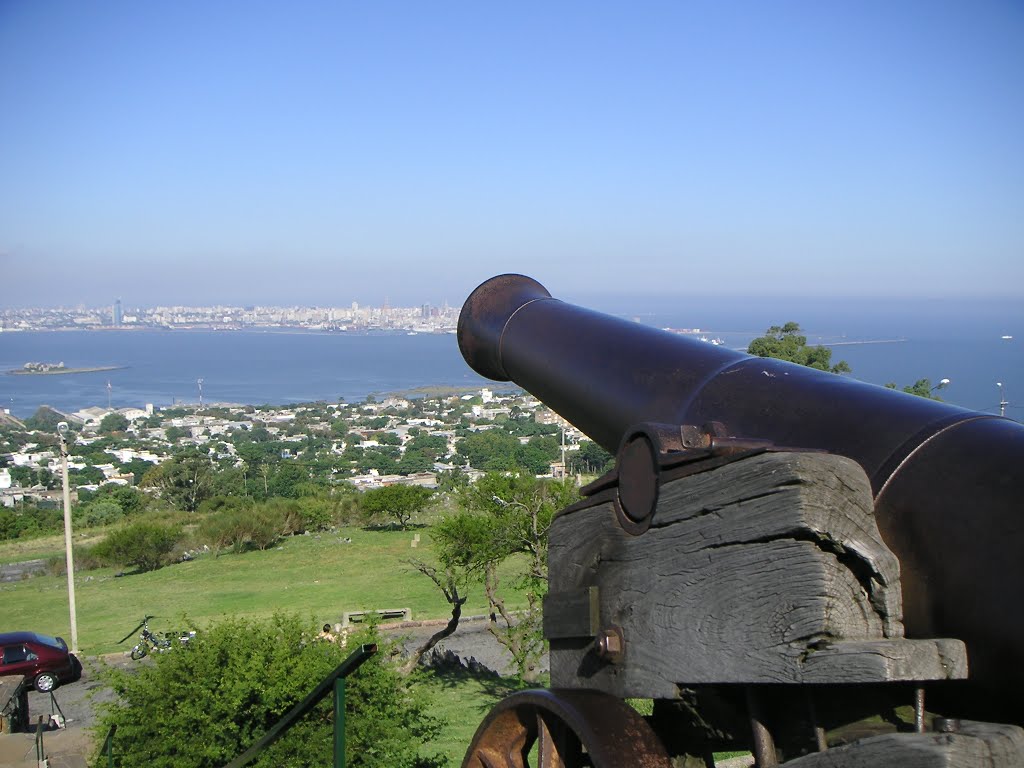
pixel 948 483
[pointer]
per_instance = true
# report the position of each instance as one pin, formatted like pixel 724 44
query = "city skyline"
pixel 268 154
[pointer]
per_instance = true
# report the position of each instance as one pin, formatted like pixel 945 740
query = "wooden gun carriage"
pixel 824 572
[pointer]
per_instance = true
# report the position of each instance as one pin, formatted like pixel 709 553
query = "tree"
pixel 431 446
pixel 413 462
pixel 398 501
pixel 184 480
pixel 503 516
pixel 454 479
pixel 449 583
pixel 45 419
pixel 383 459
pixel 286 479
pixel 590 459
pixel 113 422
pixel 137 467
pixel 537 454
pixel 29 476
pixel 85 476
pixel 921 388
pixel 387 438
pixel 174 434
pixel 204 703
pixel 787 343
pixel 490 450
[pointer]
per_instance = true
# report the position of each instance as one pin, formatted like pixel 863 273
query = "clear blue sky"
pixel 319 153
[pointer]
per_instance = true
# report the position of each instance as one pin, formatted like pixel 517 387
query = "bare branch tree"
pixel 448 584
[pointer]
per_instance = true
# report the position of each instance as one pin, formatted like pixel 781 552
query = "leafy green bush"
pixel 145 545
pixel 204 703
pixel 226 529
pixel 268 523
pixel 97 513
pixel 131 500
pixel 26 523
pixel 318 514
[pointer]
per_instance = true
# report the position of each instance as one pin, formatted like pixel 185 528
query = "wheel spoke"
pixel 488 757
pixel 557 745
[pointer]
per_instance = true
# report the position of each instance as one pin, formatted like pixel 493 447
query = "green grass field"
pixel 316 576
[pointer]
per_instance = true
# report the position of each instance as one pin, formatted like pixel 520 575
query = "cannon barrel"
pixel 948 482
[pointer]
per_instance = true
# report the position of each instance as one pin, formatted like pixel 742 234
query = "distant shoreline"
pixel 62 371
pixel 869 341
pixel 269 329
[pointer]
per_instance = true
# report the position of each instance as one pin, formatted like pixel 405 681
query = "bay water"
pixel 883 341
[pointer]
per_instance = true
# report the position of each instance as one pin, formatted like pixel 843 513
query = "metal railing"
pixel 40 749
pixel 108 746
pixel 335 680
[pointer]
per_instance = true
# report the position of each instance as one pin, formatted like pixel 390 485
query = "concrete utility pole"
pixel 62 430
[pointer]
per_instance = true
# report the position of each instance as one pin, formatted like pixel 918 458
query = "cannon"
pixel 781 559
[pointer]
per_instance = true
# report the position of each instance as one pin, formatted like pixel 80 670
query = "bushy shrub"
pixel 260 526
pixel 318 514
pixel 27 523
pixel 206 702
pixel 85 560
pixel 145 545
pixel 97 513
pixel 268 524
pixel 132 501
pixel 227 529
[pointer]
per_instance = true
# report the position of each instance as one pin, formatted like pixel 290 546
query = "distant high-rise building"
pixel 118 313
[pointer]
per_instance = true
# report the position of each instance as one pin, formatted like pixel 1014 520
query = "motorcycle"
pixel 150 642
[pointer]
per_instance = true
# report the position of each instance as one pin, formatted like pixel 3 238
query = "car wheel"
pixel 45 682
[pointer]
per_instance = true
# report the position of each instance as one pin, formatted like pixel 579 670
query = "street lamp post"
pixel 1002 399
pixel 62 431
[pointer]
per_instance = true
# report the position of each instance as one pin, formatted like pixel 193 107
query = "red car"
pixel 44 659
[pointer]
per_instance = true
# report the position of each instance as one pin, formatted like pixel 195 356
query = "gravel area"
pixel 471 641
pixel 78 700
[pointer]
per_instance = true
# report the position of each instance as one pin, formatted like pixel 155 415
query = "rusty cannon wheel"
pixel 564 729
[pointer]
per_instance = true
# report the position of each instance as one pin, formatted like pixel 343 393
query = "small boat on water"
pixel 1007 338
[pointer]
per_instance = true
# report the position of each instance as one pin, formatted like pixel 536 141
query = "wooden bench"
pixel 358 617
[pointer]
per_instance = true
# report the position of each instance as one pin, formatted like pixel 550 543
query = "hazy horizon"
pixel 322 153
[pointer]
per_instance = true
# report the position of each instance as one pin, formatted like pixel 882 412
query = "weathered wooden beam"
pixel 767 570
pixel 976 744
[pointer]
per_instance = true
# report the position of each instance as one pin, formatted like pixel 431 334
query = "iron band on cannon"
pixel 778 553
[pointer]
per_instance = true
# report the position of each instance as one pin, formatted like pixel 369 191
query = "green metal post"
pixel 339 723
pixel 347 667
pixel 108 746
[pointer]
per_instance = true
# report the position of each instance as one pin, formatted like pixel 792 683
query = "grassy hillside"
pixel 319 576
